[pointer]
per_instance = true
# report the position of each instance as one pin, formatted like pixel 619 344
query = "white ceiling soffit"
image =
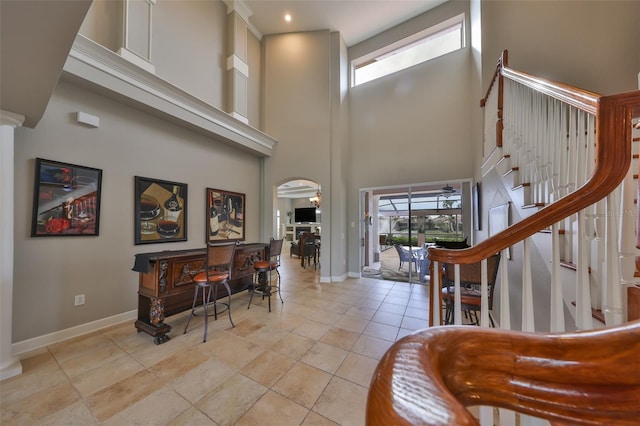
pixel 298 189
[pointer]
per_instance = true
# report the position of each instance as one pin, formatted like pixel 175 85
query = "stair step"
pixel 533 206
pixel 511 170
pixel 595 313
pixel 504 158
pixel 522 185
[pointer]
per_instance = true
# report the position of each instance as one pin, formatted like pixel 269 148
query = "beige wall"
pixel 412 126
pixel 189 47
pixel 103 23
pixel 50 271
pixel 593 45
pixel 297 112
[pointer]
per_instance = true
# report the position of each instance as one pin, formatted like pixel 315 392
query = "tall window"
pixel 430 43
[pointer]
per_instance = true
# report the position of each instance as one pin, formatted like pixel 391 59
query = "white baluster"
pixel 527 289
pixel 484 295
pixel 583 293
pixel 612 287
pixel 436 305
pixel 457 304
pixel 557 299
pixel 505 311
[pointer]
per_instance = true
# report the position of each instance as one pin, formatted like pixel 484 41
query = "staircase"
pixel 564 154
pixel 569 160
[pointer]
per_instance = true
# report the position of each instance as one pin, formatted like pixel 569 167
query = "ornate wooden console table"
pixel 166 283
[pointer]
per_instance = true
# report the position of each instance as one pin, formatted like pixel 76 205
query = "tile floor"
pixel 308 362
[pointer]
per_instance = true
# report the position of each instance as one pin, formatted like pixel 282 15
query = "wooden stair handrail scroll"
pixel 613 157
pixel 583 378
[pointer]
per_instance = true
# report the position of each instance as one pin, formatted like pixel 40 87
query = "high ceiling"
pixel 356 20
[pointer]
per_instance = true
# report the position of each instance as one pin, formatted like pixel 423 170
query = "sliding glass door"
pixel 406 220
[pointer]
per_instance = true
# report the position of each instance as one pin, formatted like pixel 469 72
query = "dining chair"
pixel 470 284
pixel 406 255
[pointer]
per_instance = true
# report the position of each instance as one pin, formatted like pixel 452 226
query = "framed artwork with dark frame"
pixel 66 200
pixel 477 207
pixel 160 211
pixel 225 215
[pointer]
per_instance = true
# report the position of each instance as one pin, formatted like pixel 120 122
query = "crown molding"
pixel 112 75
pixel 8 118
pixel 245 12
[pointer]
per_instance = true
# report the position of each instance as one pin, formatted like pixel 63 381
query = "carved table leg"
pixel 154 325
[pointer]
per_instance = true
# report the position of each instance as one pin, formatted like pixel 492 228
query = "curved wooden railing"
pixel 584 378
pixel 613 156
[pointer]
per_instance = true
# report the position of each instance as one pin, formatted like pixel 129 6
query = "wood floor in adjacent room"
pixel 308 362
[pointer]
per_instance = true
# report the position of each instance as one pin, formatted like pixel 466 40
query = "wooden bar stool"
pixel 217 270
pixel 267 266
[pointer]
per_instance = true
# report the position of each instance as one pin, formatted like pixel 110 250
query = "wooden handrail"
pixel 613 157
pixel 583 378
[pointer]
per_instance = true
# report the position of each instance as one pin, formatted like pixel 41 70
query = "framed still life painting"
pixel 66 200
pixel 160 211
pixel 225 215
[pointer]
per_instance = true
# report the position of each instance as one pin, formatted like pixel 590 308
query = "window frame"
pixel 441 29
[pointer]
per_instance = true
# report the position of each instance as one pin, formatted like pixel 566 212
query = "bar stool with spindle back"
pixel 217 270
pixel 267 266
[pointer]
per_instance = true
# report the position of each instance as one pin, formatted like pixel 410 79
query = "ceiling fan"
pixel 448 190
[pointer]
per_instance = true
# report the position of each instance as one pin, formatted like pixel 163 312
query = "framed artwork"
pixel 477 208
pixel 225 215
pixel 160 211
pixel 66 200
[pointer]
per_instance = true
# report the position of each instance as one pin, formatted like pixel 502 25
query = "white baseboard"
pixel 339 278
pixel 79 330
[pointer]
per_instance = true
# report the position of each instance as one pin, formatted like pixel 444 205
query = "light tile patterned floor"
pixel 308 362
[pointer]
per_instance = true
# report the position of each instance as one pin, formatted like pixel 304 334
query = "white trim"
pixel 240 8
pixel 234 62
pixel 239 117
pixel 12 119
pixel 9 364
pixel 107 70
pixel 245 13
pixel 69 333
pixel 338 278
pixel 136 59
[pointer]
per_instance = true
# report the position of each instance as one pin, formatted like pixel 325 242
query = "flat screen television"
pixel 305 214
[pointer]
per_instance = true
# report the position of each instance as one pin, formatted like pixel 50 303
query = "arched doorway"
pixel 298 208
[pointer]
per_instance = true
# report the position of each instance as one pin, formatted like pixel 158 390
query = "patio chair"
pixel 406 255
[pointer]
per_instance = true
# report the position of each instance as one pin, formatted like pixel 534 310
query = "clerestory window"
pixel 428 44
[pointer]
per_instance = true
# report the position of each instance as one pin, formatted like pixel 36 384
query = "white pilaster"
pixel 9 364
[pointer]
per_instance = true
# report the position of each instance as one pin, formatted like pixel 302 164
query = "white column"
pixel 237 59
pixel 9 364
